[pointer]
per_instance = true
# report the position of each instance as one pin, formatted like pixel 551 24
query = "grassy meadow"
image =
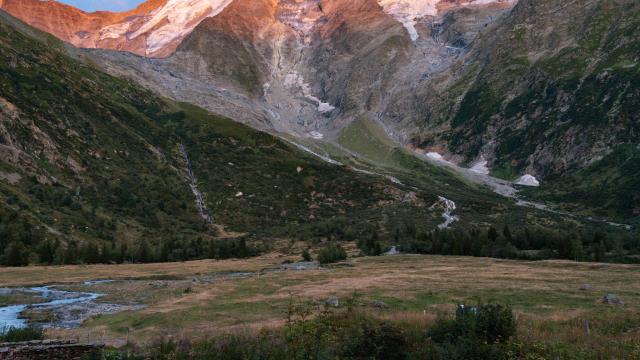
pixel 546 296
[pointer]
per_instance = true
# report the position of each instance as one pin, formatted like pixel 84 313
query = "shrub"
pixel 331 253
pixel 476 332
pixel 16 335
pixel 306 256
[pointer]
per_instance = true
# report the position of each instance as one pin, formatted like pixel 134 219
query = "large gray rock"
pixel 612 299
pixel 333 301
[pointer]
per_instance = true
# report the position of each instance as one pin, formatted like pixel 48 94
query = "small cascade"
pixel 193 183
pixel 449 207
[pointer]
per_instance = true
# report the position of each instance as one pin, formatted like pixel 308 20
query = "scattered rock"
pixel 612 299
pixel 378 304
pixel 586 287
pixel 333 301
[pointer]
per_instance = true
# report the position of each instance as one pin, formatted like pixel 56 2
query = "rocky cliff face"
pixel 293 66
pixel 542 88
pixel 309 67
pixel 552 88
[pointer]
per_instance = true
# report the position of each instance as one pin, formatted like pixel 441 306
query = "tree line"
pixel 524 244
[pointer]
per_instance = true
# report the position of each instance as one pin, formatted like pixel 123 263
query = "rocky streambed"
pixel 68 306
pixel 51 307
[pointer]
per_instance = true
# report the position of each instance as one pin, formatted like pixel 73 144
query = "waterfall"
pixel 193 184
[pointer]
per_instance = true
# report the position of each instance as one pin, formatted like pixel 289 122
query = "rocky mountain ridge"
pixel 157 27
pixel 531 91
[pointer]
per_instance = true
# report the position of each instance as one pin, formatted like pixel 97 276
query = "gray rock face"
pixel 303 66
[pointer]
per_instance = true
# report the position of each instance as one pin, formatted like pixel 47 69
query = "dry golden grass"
pixel 36 275
pixel 545 295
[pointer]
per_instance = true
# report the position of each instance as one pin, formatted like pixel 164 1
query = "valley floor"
pixel 203 298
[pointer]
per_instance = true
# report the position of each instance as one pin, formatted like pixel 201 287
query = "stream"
pixel 70 308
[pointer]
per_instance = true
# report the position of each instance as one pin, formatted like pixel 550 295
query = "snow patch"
pixel 316 135
pixel 408 11
pixel 480 167
pixel 175 20
pixel 115 31
pixel 434 156
pixel 449 207
pixel 528 180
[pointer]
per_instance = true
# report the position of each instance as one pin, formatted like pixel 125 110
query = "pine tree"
pixel 242 248
pixel 91 253
pixel 15 254
pixel 506 232
pixel 599 251
pixel 492 234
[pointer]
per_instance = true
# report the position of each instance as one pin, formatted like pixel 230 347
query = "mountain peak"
pixel 157 27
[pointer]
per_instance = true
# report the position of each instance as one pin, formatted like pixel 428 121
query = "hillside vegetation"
pixel 91 168
pixel 553 90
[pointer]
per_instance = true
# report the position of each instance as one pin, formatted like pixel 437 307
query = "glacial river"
pixel 57 299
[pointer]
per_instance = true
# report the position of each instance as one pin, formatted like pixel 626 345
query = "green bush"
pixel 483 333
pixel 331 253
pixel 16 335
pixel 306 256
pixel 476 332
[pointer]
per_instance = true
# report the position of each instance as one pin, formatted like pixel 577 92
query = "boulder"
pixel 612 299
pixel 333 301
pixel 378 304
